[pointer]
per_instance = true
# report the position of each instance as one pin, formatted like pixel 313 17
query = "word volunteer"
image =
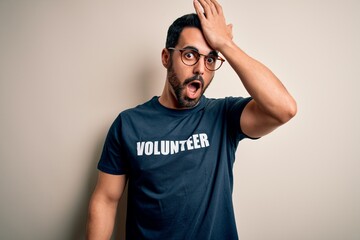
pixel 166 147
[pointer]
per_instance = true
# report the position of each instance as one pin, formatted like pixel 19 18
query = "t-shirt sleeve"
pixel 113 158
pixel 236 107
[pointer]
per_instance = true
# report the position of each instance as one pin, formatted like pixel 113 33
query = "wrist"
pixel 228 47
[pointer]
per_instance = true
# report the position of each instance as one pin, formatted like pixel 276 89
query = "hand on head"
pixel 217 33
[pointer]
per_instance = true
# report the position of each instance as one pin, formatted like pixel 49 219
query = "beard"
pixel 180 88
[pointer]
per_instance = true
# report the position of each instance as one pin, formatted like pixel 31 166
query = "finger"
pixel 212 7
pixel 206 7
pixel 198 9
pixel 217 6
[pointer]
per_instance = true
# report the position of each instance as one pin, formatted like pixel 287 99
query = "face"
pixel 188 83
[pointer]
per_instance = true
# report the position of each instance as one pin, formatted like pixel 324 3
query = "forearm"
pixel 101 219
pixel 264 87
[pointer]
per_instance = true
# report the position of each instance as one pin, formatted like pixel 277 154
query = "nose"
pixel 199 67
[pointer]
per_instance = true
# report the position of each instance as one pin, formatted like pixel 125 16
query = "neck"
pixel 168 100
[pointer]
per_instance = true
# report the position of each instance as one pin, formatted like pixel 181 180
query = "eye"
pixel 189 55
pixel 211 60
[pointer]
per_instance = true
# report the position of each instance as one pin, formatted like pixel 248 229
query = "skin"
pixel 179 72
pixel 271 106
pixel 103 206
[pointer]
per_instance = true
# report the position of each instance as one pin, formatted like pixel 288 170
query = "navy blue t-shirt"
pixel 179 164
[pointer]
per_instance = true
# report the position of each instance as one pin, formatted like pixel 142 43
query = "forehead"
pixel 191 36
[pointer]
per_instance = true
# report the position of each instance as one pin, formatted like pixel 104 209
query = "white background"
pixel 67 68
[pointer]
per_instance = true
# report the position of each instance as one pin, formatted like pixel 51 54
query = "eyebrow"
pixel 213 52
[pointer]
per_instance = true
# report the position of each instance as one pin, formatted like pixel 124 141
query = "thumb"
pixel 229 30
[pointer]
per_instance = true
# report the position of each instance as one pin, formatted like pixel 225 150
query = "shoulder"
pixel 131 114
pixel 227 102
pixel 140 109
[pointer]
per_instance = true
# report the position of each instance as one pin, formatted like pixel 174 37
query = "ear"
pixel 165 57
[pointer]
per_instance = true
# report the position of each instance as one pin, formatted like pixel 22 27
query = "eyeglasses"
pixel 190 57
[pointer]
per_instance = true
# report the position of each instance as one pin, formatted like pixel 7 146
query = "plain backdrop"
pixel 67 68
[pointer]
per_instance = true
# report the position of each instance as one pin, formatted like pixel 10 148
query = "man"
pixel 178 150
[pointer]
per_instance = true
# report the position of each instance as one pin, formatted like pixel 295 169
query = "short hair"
pixel 175 29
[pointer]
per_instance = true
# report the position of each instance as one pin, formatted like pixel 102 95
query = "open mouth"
pixel 195 85
pixel 193 88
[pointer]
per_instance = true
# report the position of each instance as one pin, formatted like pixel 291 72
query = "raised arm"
pixel 272 105
pixel 103 206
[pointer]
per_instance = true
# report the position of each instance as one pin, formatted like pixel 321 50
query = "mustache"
pixel 195 77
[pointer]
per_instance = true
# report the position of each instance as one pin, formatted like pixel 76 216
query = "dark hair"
pixel 175 29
